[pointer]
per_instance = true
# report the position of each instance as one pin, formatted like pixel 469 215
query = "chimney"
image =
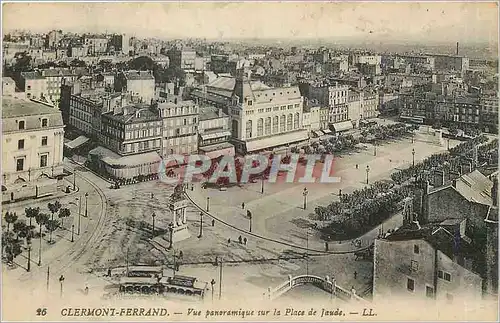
pixel 457 48
pixel 494 192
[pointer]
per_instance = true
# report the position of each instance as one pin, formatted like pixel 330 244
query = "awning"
pixel 342 126
pixel 77 142
pixel 277 140
pixel 214 135
pixel 134 160
pixel 326 131
pixel 217 150
pixel 317 133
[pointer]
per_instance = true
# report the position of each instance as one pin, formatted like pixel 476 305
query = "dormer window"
pixel 249 102
pixel 21 125
pixel 45 122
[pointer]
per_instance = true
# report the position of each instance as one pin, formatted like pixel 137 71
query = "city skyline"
pixel 366 22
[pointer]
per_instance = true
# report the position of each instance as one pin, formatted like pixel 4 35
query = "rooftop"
pixel 12 108
pixel 34 75
pixel 134 113
pixel 210 112
pixel 138 75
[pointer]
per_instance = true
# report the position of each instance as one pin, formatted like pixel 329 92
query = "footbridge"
pixel 327 284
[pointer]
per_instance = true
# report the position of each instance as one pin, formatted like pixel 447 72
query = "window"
pixel 267 129
pixel 20 144
pixel 447 277
pixel 429 292
pixel 414 265
pixel 177 132
pixel 296 121
pixel 21 124
pixel 249 129
pixel 410 285
pixel 44 141
pixel 43 160
pixel 45 122
pixel 275 124
pixel 20 164
pixel 289 122
pixel 250 102
pixel 260 127
pixel 416 249
pixel 185 121
pixel 268 109
pixel 282 123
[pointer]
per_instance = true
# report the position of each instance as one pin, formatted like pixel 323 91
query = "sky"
pixel 370 21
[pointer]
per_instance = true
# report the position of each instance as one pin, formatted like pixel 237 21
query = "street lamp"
pixel 72 233
pixel 74 180
pixel 86 204
pixel 79 213
pixel 201 225
pixel 367 172
pixel 212 283
pixel 61 280
pixel 448 144
pixel 262 186
pixel 29 255
pixel 413 154
pixel 171 231
pixel 153 216
pixel 249 214
pixel 307 251
pixel 208 203
pixel 374 150
pixel 304 193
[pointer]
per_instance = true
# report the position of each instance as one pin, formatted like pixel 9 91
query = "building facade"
pixel 137 83
pixel 32 149
pixel 180 127
pixel 214 133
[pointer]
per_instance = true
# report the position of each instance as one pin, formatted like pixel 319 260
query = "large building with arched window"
pixel 265 118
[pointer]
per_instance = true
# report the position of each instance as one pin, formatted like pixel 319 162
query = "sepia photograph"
pixel 249 161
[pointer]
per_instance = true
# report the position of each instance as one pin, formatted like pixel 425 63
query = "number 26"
pixel 41 311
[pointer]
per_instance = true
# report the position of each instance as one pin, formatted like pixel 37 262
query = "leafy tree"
pixel 54 207
pixel 41 220
pixel 51 226
pixel 12 248
pixel 64 213
pixel 20 229
pixel 142 63
pixel 10 217
pixel 31 212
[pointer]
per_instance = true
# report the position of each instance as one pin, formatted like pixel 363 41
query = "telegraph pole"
pixel 220 280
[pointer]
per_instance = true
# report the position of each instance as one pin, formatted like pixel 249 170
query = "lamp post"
pixel 61 280
pixel 413 154
pixel 304 193
pixel 262 185
pixel 412 137
pixel 374 150
pixel 79 213
pixel 448 147
pixel 212 283
pixel 86 204
pixel 367 172
pixel 307 251
pixel 220 280
pixel 72 233
pixel 171 230
pixel 201 225
pixel 249 214
pixel 74 180
pixel 28 266
pixel 208 203
pixel 153 216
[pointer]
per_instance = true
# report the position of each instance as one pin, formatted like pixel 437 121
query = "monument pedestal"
pixel 180 233
pixel 178 228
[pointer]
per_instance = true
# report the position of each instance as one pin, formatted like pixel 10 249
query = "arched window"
pixel 249 129
pixel 282 123
pixel 276 122
pixel 260 127
pixel 296 121
pixel 289 122
pixel 267 129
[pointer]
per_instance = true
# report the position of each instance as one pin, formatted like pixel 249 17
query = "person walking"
pixel 355 274
pixel 243 205
pixel 240 239
pixel 213 222
pixel 245 241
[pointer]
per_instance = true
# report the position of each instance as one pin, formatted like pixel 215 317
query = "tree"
pixel 41 220
pixel 52 226
pixel 12 248
pixel 64 213
pixel 54 207
pixel 77 63
pixel 10 217
pixel 142 63
pixel 31 212
pixel 20 229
